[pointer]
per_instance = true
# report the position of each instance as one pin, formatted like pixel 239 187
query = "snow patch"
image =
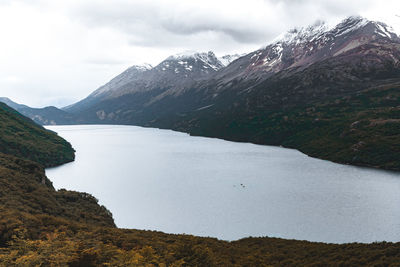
pixel 228 59
pixel 209 59
pixel 384 30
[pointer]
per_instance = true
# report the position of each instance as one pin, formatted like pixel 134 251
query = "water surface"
pixel 172 182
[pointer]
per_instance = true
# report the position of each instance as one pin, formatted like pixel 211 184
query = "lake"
pixel 172 182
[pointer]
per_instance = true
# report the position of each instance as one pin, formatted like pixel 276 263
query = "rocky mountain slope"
pixel 254 97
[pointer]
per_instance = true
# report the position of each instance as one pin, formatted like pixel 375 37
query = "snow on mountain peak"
pixel 384 30
pixel 208 59
pixel 299 35
pixel 349 24
pixel 141 67
pixel 228 59
pixel 191 54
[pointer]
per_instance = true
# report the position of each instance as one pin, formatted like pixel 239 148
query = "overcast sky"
pixel 55 52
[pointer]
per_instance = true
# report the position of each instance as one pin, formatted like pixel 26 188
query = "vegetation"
pixel 66 243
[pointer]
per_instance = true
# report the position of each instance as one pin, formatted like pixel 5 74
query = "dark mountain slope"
pixel 360 128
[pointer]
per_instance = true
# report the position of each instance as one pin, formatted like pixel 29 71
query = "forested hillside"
pixel 23 138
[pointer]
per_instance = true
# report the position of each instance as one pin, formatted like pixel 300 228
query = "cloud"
pixel 249 22
pixel 170 20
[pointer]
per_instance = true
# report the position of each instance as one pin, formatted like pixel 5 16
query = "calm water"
pixel 172 182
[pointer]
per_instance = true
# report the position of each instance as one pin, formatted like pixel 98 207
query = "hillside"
pixel 23 138
pixel 26 148
pixel 29 203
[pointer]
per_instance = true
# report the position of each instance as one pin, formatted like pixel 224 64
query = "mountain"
pixel 138 86
pixel 43 116
pixel 300 48
pixel 308 90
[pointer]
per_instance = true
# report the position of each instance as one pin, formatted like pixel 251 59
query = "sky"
pixel 56 52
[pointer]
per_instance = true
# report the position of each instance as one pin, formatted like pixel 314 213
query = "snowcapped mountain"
pixel 305 46
pixel 299 48
pixel 314 43
pixel 169 77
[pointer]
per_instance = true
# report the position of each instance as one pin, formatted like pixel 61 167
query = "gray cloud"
pixel 166 22
pixel 145 18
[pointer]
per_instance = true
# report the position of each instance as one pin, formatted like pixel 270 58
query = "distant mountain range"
pixel 44 116
pixel 332 93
